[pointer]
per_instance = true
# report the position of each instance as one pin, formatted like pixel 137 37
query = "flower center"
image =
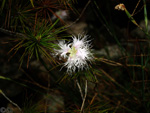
pixel 73 51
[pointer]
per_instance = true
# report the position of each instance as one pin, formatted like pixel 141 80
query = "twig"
pixel 133 13
pixel 110 62
pixel 85 94
pixel 84 97
pixel 10 100
pixel 80 14
pixel 79 88
pixel 11 33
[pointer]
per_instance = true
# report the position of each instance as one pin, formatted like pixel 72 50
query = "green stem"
pixel 134 21
pixel 145 16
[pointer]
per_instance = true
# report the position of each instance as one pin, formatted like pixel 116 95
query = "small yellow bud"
pixel 120 7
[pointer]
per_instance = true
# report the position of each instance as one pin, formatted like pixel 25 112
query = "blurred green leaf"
pixel 32 3
pixel 2 6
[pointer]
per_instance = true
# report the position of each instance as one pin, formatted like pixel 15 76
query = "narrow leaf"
pixel 32 3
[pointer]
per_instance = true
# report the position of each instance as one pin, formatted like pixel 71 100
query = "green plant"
pixel 108 85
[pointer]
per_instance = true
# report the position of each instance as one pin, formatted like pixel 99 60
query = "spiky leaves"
pixel 38 41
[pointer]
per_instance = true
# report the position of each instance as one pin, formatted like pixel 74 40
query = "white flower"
pixel 77 53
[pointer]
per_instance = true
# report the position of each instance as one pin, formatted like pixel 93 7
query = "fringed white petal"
pixel 79 53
